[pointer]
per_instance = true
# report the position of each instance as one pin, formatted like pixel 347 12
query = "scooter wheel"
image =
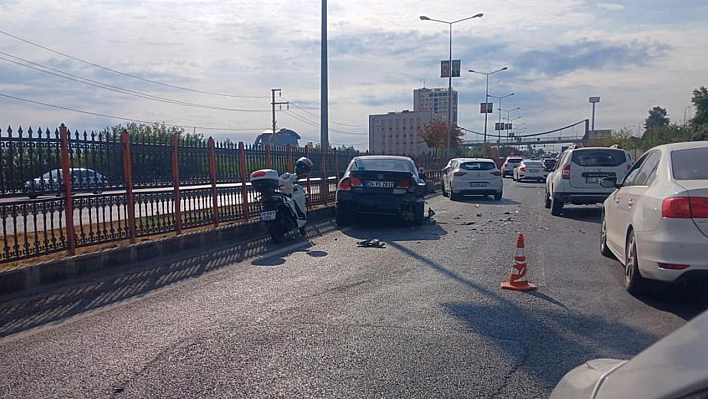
pixel 276 234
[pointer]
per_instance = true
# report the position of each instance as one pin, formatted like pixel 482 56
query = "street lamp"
pixel 500 115
pixel 486 100
pixel 593 101
pixel 449 81
pixel 508 119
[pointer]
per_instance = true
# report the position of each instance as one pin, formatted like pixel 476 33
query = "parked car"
pixel 530 170
pixel 656 221
pixel 472 176
pixel 380 185
pixel 673 368
pixel 51 182
pixel 575 180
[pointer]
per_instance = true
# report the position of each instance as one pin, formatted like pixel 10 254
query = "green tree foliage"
pixel 699 122
pixel 672 133
pixel 157 132
pixel 435 136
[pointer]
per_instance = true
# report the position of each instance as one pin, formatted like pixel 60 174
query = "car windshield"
pixel 690 164
pixel 477 166
pixel 383 165
pixel 599 157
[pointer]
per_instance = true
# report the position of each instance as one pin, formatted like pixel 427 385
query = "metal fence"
pixel 152 186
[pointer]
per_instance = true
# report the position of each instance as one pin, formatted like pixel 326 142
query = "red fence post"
pixel 244 188
pixel 289 160
pixel 212 174
pixel 68 200
pixel 269 157
pixel 175 183
pixel 128 173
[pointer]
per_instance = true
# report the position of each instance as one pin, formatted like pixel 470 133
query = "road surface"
pixel 423 317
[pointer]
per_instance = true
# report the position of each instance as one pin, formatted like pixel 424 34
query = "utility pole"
pixel 324 84
pixel 273 103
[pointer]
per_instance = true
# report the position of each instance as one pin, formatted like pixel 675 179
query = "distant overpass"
pixel 549 137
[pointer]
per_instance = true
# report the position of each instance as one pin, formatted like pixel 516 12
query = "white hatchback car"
pixel 530 170
pixel 575 179
pixel 656 221
pixel 472 176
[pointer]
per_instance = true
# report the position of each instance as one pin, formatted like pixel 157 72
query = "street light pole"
pixel 449 81
pixel 324 98
pixel 593 101
pixel 486 101
pixel 500 115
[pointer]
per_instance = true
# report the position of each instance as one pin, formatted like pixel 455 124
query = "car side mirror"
pixel 609 182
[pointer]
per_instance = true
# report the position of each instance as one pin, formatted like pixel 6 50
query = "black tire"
pixel 604 250
pixel 453 196
pixel 634 283
pixel 556 206
pixel 276 233
pixel 343 216
pixel 442 188
pixel 547 201
pixel 498 196
pixel 33 196
pixel 418 213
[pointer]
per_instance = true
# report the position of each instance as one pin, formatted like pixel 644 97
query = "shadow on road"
pixel 684 301
pixel 25 313
pixel 569 338
pixel 393 229
pixel 486 200
pixel 583 214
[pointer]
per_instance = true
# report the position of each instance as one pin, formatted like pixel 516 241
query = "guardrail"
pixel 154 186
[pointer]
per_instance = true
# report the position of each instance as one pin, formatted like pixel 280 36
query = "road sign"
pixel 594 100
pixel 485 108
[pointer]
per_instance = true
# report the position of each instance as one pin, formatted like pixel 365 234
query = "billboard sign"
pixel 445 69
pixel 485 108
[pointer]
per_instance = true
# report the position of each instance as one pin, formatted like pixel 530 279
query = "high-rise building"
pixel 435 101
pixel 399 132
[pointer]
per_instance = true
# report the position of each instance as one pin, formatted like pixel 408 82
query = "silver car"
pixel 674 367
pixel 82 179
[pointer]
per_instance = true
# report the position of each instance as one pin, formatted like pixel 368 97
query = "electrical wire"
pixel 316 124
pixel 126 74
pixel 117 89
pixel 317 116
pixel 121 118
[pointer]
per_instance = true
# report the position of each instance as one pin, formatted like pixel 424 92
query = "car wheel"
pixel 556 206
pixel 603 239
pixel 276 233
pixel 634 283
pixel 418 213
pixel 343 217
pixel 498 196
pixel 547 201
pixel 453 196
pixel 442 187
pixel 33 196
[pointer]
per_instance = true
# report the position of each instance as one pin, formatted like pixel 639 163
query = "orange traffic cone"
pixel 517 280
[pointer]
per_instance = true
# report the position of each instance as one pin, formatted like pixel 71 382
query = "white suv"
pixel 576 177
pixel 510 164
pixel 472 176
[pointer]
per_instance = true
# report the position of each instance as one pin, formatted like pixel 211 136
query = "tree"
pixel 699 122
pixel 622 138
pixel 435 136
pixel 672 133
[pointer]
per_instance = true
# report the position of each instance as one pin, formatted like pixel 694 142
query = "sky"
pixel 209 66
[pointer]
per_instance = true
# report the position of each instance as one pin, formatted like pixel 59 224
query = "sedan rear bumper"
pixel 376 204
pixel 679 246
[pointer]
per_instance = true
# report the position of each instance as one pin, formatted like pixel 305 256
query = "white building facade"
pixel 399 133
pixel 435 101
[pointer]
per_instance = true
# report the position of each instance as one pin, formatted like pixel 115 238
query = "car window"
pixel 533 163
pixel 514 160
pixel 477 166
pixel 649 164
pixel 599 157
pixel 383 165
pixel 634 171
pixel 690 164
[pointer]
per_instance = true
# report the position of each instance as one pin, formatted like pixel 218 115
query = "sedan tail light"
pixel 404 184
pixel 522 169
pixel 459 173
pixel 505 164
pixel 345 185
pixel 685 208
pixel 356 182
pixel 496 173
pixel 566 172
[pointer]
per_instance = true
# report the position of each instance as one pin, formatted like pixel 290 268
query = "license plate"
pixel 268 215
pixel 478 184
pixel 592 180
pixel 379 184
pixel 533 170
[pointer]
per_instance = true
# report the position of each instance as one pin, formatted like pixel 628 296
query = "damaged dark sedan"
pixel 380 185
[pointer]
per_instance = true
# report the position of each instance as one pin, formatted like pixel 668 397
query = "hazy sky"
pixel 635 54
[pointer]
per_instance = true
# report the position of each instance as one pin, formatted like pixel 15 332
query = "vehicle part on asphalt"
pixel 517 279
pixel 371 243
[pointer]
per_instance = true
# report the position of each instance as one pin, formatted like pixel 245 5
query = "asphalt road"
pixel 423 317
